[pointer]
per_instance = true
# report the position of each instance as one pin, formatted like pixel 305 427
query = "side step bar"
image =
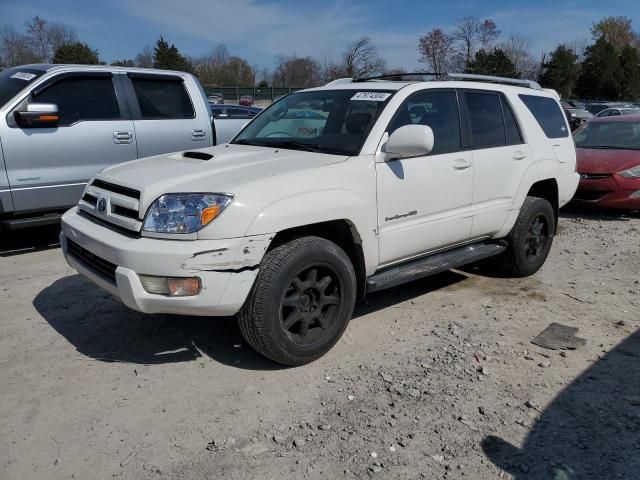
pixel 27 222
pixel 436 263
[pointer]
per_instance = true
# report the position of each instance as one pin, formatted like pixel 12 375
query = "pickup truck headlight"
pixel 631 173
pixel 184 212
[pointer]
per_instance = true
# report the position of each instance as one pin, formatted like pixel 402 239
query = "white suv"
pixel 326 195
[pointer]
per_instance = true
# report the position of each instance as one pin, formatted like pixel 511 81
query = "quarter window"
pixel 486 124
pixel 547 113
pixel 81 98
pixel 514 137
pixel 438 110
pixel 162 98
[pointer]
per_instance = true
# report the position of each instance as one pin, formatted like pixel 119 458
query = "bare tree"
pixel 45 38
pixel 361 59
pixel 15 48
pixel 145 58
pixel 579 47
pixel 467 31
pixel 487 33
pixel 437 49
pixel 518 49
pixel 331 70
pixel 294 71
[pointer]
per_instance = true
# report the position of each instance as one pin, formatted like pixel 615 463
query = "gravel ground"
pixel 435 379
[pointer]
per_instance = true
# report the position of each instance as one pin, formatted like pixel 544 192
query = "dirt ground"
pixel 435 379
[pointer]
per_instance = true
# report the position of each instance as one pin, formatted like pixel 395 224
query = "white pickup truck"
pixel 326 195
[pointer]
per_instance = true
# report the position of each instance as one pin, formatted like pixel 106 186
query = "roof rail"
pixel 338 81
pixel 491 79
pixel 454 76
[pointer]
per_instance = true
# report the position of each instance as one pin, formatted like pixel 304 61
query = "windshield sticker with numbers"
pixel 371 96
pixel 23 76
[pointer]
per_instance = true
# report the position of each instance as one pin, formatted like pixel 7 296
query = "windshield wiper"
pixel 599 147
pixel 242 141
pixel 295 145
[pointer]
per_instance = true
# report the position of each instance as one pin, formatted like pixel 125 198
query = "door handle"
pixel 122 137
pixel 519 155
pixel 461 164
pixel 198 134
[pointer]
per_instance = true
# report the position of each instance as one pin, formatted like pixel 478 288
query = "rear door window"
pixel 81 99
pixel 162 98
pixel 547 113
pixel 486 123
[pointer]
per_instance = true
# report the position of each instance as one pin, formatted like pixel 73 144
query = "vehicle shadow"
pixel 29 240
pixel 591 213
pixel 101 327
pixel 590 430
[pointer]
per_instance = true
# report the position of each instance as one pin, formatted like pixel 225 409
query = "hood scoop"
pixel 197 156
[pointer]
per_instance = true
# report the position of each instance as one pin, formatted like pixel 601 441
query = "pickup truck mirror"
pixel 38 115
pixel 409 141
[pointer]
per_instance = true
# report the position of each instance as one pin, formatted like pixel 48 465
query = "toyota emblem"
pixel 102 205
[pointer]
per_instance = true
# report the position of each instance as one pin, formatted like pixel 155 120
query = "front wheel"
pixel 301 302
pixel 530 239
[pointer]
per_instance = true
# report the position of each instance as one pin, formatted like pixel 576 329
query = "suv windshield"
pixel 12 80
pixel 325 121
pixel 614 135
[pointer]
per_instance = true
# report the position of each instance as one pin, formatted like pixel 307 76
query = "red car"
pixel 608 150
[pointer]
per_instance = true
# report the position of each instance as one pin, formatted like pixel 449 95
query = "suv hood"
pixel 230 167
pixel 593 160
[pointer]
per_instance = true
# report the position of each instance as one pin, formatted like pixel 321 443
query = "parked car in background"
pixel 299 216
pixel 595 107
pixel 233 111
pixel 614 112
pixel 246 100
pixel 61 124
pixel 576 103
pixel 216 98
pixel 577 116
pixel 608 161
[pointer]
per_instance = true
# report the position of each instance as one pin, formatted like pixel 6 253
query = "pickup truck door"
pixel 229 120
pixel 169 113
pixel 424 203
pixel 48 167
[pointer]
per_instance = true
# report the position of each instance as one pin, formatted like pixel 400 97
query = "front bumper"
pixel 611 191
pixel 227 268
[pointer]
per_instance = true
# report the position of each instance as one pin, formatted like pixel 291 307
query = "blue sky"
pixel 259 30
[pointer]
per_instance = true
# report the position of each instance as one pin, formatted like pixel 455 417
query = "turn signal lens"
pixel 170 286
pixel 208 214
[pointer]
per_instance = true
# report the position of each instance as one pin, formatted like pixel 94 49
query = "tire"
pixel 529 242
pixel 293 315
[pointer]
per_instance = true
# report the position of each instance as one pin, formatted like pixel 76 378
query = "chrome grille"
pixel 112 204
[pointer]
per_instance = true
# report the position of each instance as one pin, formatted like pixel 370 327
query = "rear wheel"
pixel 530 239
pixel 301 301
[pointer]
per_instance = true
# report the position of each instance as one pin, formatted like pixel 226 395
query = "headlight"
pixel 184 212
pixel 631 173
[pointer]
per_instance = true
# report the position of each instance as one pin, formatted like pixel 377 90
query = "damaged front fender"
pixel 235 254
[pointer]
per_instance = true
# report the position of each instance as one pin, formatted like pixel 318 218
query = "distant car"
pixel 577 116
pixel 216 98
pixel 246 100
pixel 233 111
pixel 576 103
pixel 596 107
pixel 614 112
pixel 608 161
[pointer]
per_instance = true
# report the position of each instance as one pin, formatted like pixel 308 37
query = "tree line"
pixel 607 66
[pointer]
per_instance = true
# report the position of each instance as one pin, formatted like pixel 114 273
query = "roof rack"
pixel 453 76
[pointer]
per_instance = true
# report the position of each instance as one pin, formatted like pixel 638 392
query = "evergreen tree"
pixel 76 52
pixel 168 57
pixel 601 74
pixel 630 81
pixel 561 71
pixel 495 62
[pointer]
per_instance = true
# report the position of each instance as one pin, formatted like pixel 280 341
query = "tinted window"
pixel 486 124
pixel 510 124
pixel 238 112
pixel 547 112
pixel 609 134
pixel 13 80
pixel 161 98
pixel 82 98
pixel 438 110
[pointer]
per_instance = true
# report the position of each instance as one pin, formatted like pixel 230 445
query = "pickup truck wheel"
pixel 530 239
pixel 301 301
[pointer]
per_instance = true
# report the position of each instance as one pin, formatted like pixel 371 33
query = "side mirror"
pixel 40 115
pixel 409 141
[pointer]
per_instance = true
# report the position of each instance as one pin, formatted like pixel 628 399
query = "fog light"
pixel 173 287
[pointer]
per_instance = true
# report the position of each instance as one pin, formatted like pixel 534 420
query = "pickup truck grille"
pixel 92 262
pixel 112 205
